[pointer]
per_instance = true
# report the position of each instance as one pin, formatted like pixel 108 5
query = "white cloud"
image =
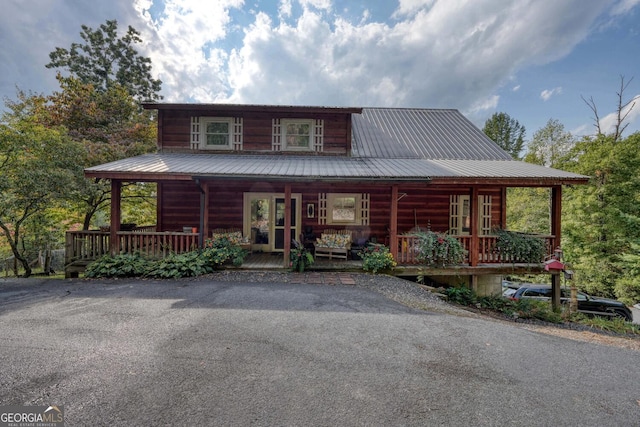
pixel 515 88
pixel 548 93
pixel 407 7
pixel 431 53
pixel 444 54
pixel 284 9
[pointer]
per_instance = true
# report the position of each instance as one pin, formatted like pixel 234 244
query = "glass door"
pixel 279 223
pixel 264 220
pixel 260 225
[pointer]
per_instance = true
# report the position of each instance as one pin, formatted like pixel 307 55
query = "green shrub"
pixel 376 258
pixel 222 250
pixel 125 265
pixel 627 290
pixel 439 249
pixel 461 295
pixel 519 247
pixel 174 266
pixel 522 308
pixel 188 264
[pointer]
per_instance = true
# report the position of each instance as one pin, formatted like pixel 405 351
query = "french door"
pixel 264 218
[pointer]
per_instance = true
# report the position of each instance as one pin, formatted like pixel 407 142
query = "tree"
pixel 109 125
pixel 602 220
pixel 507 132
pixel 623 109
pixel 550 145
pixel 37 169
pixel 106 60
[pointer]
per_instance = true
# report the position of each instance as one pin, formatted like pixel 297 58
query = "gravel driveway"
pixel 265 349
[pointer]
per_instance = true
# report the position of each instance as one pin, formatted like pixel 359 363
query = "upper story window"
pixel 216 133
pixel 297 135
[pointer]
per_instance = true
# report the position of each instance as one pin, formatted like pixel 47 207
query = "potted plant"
pixel 300 257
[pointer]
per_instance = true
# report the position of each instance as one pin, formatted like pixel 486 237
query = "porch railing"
pixel 91 245
pixel 407 253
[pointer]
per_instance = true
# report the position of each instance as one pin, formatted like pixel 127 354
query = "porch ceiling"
pixel 175 166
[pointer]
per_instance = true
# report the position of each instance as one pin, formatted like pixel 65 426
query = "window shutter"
pixel 195 133
pixel 322 208
pixel 237 134
pixel 454 213
pixel 276 135
pixel 484 226
pixel 318 135
pixel 364 209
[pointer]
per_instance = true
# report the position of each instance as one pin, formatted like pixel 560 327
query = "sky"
pixel 533 59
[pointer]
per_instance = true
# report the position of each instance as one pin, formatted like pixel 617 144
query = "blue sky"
pixel 532 59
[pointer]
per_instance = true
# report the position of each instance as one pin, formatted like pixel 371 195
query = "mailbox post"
pixel 555 267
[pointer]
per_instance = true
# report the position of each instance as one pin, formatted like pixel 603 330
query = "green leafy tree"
pixel 37 170
pixel 105 60
pixel 528 208
pixel 550 145
pixel 602 219
pixel 507 132
pixel 110 126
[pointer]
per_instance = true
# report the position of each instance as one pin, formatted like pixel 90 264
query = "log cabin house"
pixel 276 172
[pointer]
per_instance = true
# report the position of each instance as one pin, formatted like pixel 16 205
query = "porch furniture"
pixel 234 235
pixel 308 238
pixel 333 244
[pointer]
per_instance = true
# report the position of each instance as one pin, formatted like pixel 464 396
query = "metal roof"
pixel 406 144
pixel 170 165
pixel 420 133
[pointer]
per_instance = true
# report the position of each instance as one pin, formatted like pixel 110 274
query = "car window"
pixel 537 292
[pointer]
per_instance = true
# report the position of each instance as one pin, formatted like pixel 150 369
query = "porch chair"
pixel 333 244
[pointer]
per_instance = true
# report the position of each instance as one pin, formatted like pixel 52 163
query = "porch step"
pixel 73 269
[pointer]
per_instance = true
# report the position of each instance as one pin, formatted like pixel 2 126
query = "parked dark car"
pixel 587 304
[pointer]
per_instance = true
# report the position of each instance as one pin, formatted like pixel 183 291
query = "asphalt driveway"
pixel 218 353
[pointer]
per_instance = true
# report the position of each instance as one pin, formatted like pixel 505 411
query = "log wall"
pixel 257 130
pixel 424 206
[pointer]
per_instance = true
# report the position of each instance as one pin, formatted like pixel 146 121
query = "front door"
pixel 279 236
pixel 264 220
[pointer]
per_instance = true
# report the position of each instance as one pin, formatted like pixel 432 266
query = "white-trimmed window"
pixel 297 134
pixel 343 208
pixel 216 133
pixel 460 215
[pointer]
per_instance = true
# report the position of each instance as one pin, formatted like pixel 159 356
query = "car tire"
pixel 621 314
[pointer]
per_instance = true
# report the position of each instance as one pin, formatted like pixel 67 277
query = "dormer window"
pixel 297 135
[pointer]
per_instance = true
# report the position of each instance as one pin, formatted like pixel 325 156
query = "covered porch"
pixel 83 247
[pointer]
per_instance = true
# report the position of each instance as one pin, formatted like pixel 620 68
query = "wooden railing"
pixel 91 245
pixel 407 253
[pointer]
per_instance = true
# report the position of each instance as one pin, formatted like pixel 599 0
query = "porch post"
pixel 556 215
pixel 287 224
pixel 503 208
pixel 474 245
pixel 114 227
pixel 393 222
pixel 556 231
pixel 204 227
